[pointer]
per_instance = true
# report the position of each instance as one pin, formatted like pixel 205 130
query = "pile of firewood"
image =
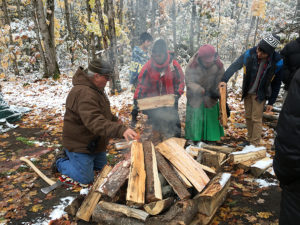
pixel 134 190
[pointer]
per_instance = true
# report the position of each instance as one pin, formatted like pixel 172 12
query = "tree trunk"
pixel 70 34
pixel 50 54
pixel 256 28
pixel 19 9
pixel 174 26
pixel 219 25
pixel 198 27
pixel 249 32
pixel 91 38
pixel 7 21
pixel 192 27
pixel 153 15
pixel 50 17
pixel 298 15
pixel 101 23
pixel 120 11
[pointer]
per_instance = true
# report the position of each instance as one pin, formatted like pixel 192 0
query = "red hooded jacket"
pixel 155 79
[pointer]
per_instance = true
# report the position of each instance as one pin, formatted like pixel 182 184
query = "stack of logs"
pixel 131 191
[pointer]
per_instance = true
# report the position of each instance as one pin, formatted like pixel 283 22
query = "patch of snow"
pixel 264 183
pixel 249 148
pixel 84 191
pixel 224 178
pixel 263 164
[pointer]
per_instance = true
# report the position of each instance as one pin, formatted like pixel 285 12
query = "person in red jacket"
pixel 162 75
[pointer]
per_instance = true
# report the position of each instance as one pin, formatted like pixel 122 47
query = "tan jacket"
pixel 202 84
pixel 88 121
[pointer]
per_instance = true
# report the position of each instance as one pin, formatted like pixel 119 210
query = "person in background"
pixel 88 124
pixel 286 162
pixel 162 75
pixel 261 82
pixel 202 76
pixel 139 57
pixel 291 62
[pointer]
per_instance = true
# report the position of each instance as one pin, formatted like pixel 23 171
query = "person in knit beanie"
pixel 261 83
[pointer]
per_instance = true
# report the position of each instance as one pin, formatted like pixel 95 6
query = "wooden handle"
pixel 43 176
pixel 223 106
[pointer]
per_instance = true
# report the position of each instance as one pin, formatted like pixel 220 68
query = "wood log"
pixel 248 153
pixel 107 217
pixel 223 99
pixel 115 179
pixel 156 102
pixel 214 195
pixel 224 149
pixel 261 166
pixel 246 165
pixel 89 204
pixel 155 208
pixel 137 176
pixel 182 178
pixel 153 186
pixel 129 212
pixel 169 174
pixel 180 141
pixel 190 168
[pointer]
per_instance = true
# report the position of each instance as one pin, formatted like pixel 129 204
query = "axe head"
pixel 50 188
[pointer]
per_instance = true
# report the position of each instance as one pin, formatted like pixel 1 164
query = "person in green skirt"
pixel 202 76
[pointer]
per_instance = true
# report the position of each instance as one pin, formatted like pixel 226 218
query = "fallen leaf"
pixel 260 201
pixel 264 215
pixel 36 208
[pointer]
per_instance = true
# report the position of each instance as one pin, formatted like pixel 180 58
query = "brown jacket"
pixel 88 121
pixel 202 84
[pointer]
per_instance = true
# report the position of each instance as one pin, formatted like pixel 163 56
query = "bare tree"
pixel 91 38
pixel 191 50
pixel 70 34
pixel 50 17
pixel 174 26
pixel 101 23
pixel 11 42
pixel 249 32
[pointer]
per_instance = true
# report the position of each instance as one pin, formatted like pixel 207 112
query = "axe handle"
pixel 43 176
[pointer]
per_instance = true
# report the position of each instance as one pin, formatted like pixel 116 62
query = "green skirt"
pixel 203 123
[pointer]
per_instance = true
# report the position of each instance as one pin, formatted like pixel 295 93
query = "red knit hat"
pixel 207 53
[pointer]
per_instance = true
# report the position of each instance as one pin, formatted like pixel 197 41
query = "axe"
pixel 52 183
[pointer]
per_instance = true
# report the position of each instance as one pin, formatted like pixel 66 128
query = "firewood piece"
pixel 155 208
pixel 248 153
pixel 210 158
pixel 137 176
pixel 246 165
pixel 153 186
pixel 169 174
pixel 115 179
pixel 87 207
pixel 122 145
pixel 224 149
pixel 182 212
pixel 156 102
pixel 129 212
pixel 184 163
pixel 223 113
pixel 103 216
pixel 180 141
pixel 261 166
pixel 270 116
pixel 183 179
pixel 214 195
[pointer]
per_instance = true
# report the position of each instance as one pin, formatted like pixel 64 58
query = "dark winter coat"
pixel 88 121
pixel 138 60
pixel 202 84
pixel 156 80
pixel 287 155
pixel 270 81
pixel 291 61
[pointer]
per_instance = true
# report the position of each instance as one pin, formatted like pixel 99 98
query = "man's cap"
pixel 269 43
pixel 160 46
pixel 207 53
pixel 101 67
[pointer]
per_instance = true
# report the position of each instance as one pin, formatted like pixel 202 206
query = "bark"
pixel 49 49
pixel 153 15
pixel 256 28
pixel 50 17
pixel 192 27
pixel 7 21
pixel 70 34
pixel 120 11
pixel 101 23
pixel 19 8
pixel 174 26
pixel 219 20
pixel 91 38
pixel 249 32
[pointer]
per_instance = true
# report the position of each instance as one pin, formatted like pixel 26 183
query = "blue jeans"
pixel 80 166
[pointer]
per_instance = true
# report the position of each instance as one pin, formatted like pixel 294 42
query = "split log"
pixel 190 168
pixel 180 141
pixel 153 186
pixel 156 102
pixel 182 212
pixel 155 208
pixel 137 176
pixel 103 216
pixel 248 153
pixel 224 149
pixel 115 179
pixel 182 178
pixel 261 166
pixel 246 165
pixel 87 207
pixel 169 174
pixel 129 212
pixel 214 195
pixel 223 113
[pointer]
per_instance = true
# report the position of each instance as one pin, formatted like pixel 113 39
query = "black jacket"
pixel 270 82
pixel 287 144
pixel 291 61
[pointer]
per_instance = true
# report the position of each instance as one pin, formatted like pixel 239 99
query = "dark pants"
pixel 134 112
